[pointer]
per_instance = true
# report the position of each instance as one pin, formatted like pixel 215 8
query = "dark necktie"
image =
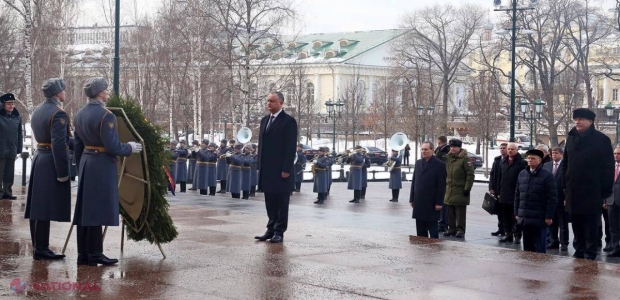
pixel 270 121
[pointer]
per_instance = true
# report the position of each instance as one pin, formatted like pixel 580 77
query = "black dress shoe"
pixel 318 202
pixel 460 235
pixel 608 248
pixel 564 248
pixel 449 233
pixel 276 239
pixel 614 253
pixel 578 255
pixel 100 259
pixel 9 197
pixel 393 200
pixel 553 245
pixel 507 239
pixel 517 240
pixel 82 259
pixel 47 255
pixel 441 229
pixel 221 192
pixel 498 233
pixel 264 237
pixel 354 201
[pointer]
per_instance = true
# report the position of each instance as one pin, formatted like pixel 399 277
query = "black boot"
pixel 222 187
pixel 356 196
pixel 395 193
pixel 246 195
pixel 235 195
pixel 212 191
pixel 363 194
pixel 41 233
pixel 203 192
pixel 253 191
pixel 297 187
pixel 183 186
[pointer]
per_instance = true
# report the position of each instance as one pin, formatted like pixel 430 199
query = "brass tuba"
pixel 398 142
pixel 244 135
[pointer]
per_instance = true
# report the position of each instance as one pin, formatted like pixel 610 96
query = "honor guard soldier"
pixel 172 163
pixel 72 166
pixel 211 158
pixel 49 191
pixel 206 168
pixel 231 145
pixel 320 176
pixel 191 168
pixel 222 166
pixel 365 167
pixel 254 171
pixel 11 142
pixel 396 178
pixel 300 165
pixel 330 162
pixel 356 161
pixel 181 166
pixel 246 170
pixel 97 146
pixel 235 162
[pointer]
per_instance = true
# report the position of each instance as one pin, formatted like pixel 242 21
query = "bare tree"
pixel 354 99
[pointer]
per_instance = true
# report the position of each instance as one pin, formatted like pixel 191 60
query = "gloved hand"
pixel 135 147
pixel 466 193
pixel 63 179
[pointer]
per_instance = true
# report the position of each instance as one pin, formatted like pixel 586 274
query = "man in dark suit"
pixel 494 181
pixel 428 188
pixel 441 152
pixel 613 209
pixel 560 217
pixel 276 152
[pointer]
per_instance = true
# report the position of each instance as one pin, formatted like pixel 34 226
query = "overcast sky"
pixel 315 16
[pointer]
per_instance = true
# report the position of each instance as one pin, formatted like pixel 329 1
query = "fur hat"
pixel 173 141
pixel 224 141
pixel 584 113
pixel 7 98
pixel 212 145
pixel 195 142
pixel 183 141
pixel 238 146
pixel 535 152
pixel 232 141
pixel 52 87
pixel 94 86
pixel 455 143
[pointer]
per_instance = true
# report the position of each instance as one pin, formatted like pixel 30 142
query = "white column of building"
pixel 317 93
pixel 605 90
pixel 371 94
pixel 337 88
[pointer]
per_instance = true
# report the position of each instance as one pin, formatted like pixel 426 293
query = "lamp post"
pixel 117 42
pixel 609 111
pixel 535 114
pixel 318 135
pixel 421 115
pixel 334 109
pixel 225 119
pixel 513 38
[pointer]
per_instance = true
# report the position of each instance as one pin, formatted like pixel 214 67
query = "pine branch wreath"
pixel 157 217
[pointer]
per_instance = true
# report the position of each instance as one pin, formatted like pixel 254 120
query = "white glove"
pixel 63 179
pixel 135 147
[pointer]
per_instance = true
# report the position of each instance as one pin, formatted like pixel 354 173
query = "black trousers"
pixel 406 160
pixel 559 227
pixel 457 218
pixel 427 228
pixel 298 186
pixel 363 193
pixel 235 195
pixel 222 185
pixel 212 190
pixel 89 240
pixel 183 186
pixel 7 175
pixel 613 212
pixel 534 238
pixel 510 225
pixel 443 217
pixel 606 227
pixel 395 193
pixel 500 217
pixel 203 192
pixel 585 228
pixel 40 234
pixel 253 191
pixel 245 195
pixel 277 211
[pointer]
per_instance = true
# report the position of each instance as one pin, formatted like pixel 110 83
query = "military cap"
pixel 7 98
pixel 206 142
pixel 326 149
pixel 455 143
pixel 584 113
pixel 212 145
pixel 195 142
pixel 358 147
pixel 232 141
pixel 238 146
pixel 224 141
pixel 322 149
pixel 183 141
pixel 535 152
pixel 300 145
pixel 52 87
pixel 94 86
pixel 248 145
pixel 173 141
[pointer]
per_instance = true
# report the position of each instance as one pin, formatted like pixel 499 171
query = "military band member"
pixel 254 171
pixel 172 163
pixel 330 163
pixel 49 191
pixel 97 146
pixel 246 171
pixel 181 166
pixel 222 166
pixel 356 161
pixel 235 162
pixel 320 176
pixel 211 158
pixel 396 178
pixel 191 169
pixel 300 165
pixel 202 176
pixel 365 167
pixel 72 166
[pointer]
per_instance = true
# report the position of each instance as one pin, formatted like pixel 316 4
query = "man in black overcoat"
pixel 588 179
pixel 276 141
pixel 494 180
pixel 428 188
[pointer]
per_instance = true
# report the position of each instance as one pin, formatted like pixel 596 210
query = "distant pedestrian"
pixel 428 188
pixel 406 156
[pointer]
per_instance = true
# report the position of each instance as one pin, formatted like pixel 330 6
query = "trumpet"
pixel 316 156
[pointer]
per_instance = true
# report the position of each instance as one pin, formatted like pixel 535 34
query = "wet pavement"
pixel 333 251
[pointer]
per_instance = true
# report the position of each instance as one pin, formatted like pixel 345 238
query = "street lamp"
pixel 513 10
pixel 609 111
pixel 334 109
pixel 117 42
pixel 225 119
pixel 535 115
pixel 319 126
pixel 421 113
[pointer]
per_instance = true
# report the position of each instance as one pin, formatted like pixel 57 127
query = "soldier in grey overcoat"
pixel 172 163
pixel 246 170
pixel 211 158
pixel 396 179
pixel 356 161
pixel 254 171
pixel 320 177
pixel 97 146
pixel 222 166
pixel 49 191
pixel 330 163
pixel 235 162
pixel 191 167
pixel 300 165
pixel 181 165
pixel 365 167
pixel 202 176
